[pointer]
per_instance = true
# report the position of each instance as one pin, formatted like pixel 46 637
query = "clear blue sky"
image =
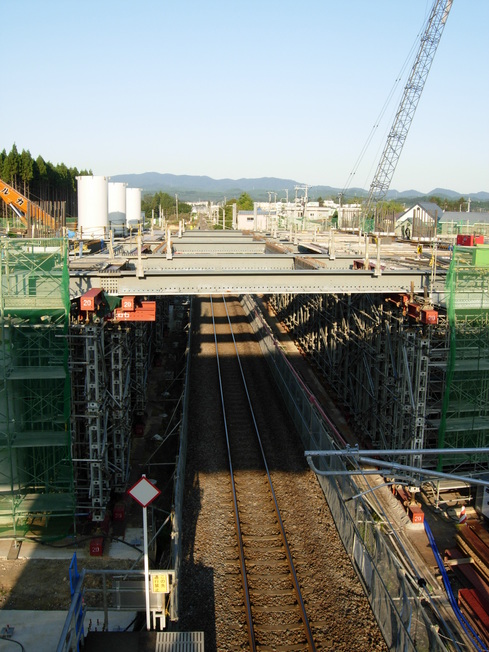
pixel 244 88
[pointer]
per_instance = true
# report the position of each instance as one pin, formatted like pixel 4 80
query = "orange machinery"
pixel 28 212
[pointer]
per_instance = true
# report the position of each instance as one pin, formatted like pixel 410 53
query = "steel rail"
pixel 298 594
pixel 242 563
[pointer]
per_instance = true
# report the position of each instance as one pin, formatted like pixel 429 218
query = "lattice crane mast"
pixel 408 104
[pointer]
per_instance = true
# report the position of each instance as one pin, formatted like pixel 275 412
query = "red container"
pixel 429 316
pixel 145 312
pixel 128 303
pixel 416 514
pixel 400 299
pixel 97 547
pixel 119 512
pixel 138 429
pixel 91 299
pixel 467 240
pixel 413 310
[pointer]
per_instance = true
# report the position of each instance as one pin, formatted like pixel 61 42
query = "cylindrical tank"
pixel 133 207
pixel 93 213
pixel 117 207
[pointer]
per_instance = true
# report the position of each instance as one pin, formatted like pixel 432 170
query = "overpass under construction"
pixel 214 262
pixel 398 330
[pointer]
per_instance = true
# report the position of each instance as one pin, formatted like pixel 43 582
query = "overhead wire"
pixel 401 75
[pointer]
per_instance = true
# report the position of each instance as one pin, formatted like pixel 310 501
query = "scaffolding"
pixel 405 384
pixel 71 384
pixel 36 478
pixel 89 417
pixel 109 366
pixel 142 346
pixel 464 420
pixel 120 354
pixel 373 356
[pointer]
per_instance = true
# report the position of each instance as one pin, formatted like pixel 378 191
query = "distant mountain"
pixel 451 194
pixel 193 188
pixel 443 192
pixel 401 196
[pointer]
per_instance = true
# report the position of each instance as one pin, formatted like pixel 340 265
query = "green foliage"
pixel 449 204
pixel 245 202
pixel 40 180
pixel 390 207
pixel 26 168
pixel 152 203
pixel 12 165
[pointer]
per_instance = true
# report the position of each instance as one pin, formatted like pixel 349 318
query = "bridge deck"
pixel 213 262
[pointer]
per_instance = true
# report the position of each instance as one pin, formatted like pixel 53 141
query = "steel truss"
pixel 89 418
pixel 119 364
pixel 142 348
pixel 404 384
pixel 109 369
pixel 375 360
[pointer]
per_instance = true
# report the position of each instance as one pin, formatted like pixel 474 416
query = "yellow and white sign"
pixel 160 582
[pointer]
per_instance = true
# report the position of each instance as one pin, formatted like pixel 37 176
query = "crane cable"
pixel 407 62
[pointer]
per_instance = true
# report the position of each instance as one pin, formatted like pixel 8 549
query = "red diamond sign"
pixel 144 491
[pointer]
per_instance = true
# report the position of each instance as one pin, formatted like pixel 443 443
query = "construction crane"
pixel 32 216
pixel 407 106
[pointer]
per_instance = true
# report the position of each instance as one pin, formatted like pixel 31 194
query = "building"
pixel 320 213
pixel 297 214
pixel 256 220
pixel 419 221
pixel 472 223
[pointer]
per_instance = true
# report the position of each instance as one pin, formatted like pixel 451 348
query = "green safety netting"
pixel 465 406
pixel 36 476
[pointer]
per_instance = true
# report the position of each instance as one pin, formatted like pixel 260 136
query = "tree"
pixel 41 180
pixel 245 202
pixel 150 203
pixel 229 212
pixel 26 170
pixel 389 207
pixel 40 177
pixel 3 156
pixel 11 166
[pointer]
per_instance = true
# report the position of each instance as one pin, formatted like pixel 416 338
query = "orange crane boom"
pixel 28 212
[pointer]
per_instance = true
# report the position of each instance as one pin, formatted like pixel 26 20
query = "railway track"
pixel 212 592
pixel 273 603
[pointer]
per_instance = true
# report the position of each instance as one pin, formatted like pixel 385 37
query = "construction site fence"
pixel 179 483
pixel 394 599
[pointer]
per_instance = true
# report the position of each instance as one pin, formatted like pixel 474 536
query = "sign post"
pixel 144 492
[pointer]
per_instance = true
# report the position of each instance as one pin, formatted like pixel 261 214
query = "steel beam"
pixel 241 281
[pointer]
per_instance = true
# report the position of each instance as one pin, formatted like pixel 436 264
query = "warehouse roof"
pixel 472 217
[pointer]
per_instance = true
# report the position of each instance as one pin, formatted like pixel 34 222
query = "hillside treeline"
pixel 151 204
pixel 40 180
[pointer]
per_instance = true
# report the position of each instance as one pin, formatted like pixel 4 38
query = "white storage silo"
pixel 133 207
pixel 117 207
pixel 93 213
